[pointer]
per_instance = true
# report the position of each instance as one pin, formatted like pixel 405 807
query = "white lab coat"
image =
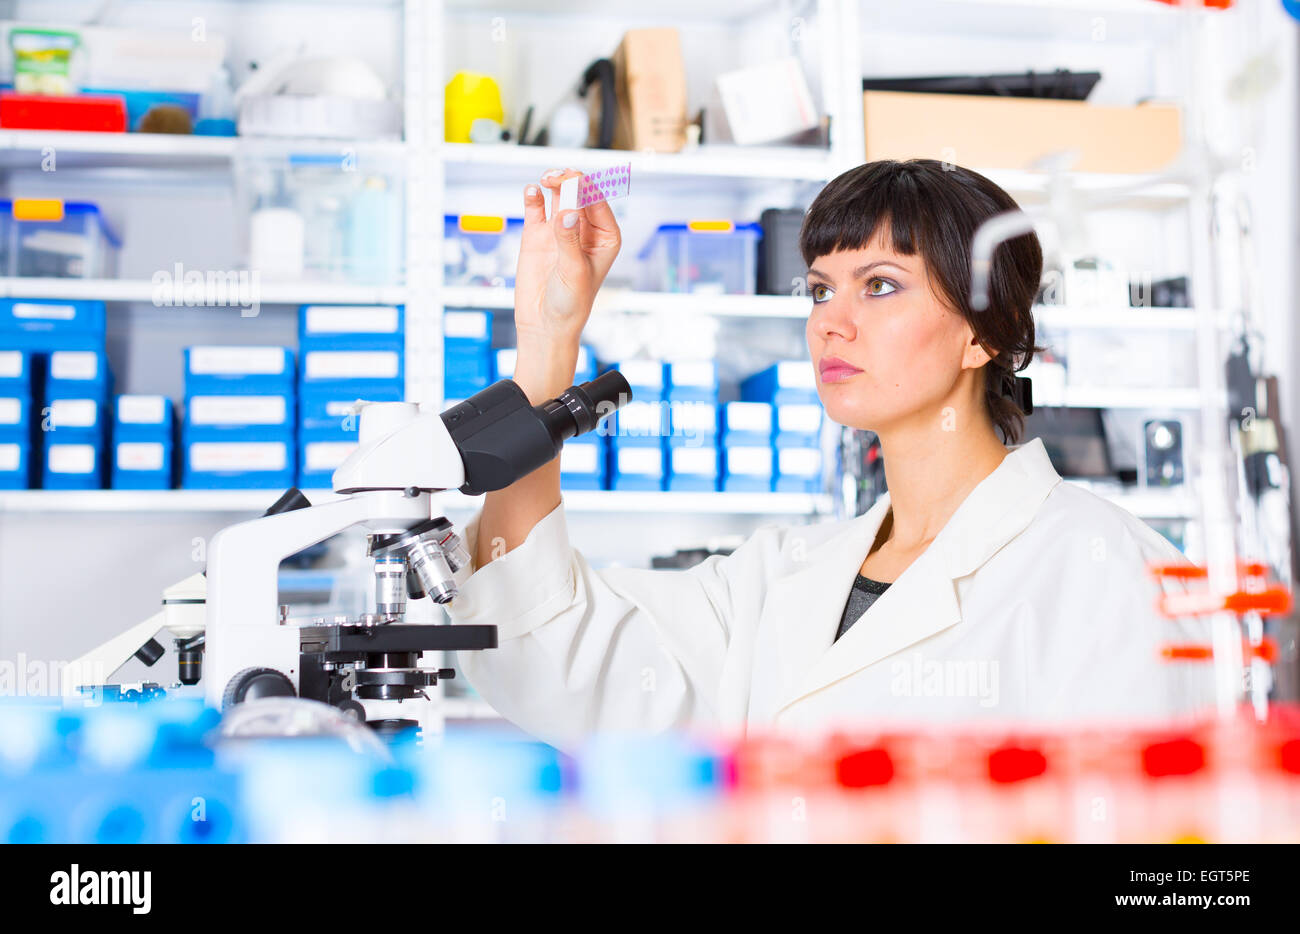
pixel 1032 604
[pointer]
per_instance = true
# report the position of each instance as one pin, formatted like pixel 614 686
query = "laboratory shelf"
pixel 627 300
pixel 471 162
pixel 255 501
pixel 1115 317
pixel 668 11
pixel 1098 189
pixel 33 149
pixel 1063 317
pixel 145 501
pixel 144 290
pixel 1056 20
pixel 1120 397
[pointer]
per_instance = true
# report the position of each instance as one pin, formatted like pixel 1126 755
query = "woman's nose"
pixel 833 319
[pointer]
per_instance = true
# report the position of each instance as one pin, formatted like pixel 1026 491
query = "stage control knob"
pixel 253 683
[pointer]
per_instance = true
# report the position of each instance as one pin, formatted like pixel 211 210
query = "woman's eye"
pixel 821 293
pixel 879 287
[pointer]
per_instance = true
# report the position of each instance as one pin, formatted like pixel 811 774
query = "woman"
pixel 990 588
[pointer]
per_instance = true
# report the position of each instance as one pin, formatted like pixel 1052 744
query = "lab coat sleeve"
pixel 584 650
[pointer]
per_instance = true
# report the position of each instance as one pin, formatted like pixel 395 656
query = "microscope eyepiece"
pixel 577 410
pixel 501 437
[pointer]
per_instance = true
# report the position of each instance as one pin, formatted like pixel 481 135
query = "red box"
pixel 105 114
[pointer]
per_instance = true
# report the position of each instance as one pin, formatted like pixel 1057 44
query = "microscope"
pixel 232 634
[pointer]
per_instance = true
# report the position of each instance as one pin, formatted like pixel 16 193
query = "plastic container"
pixel 481 249
pixel 704 257
pixel 81 114
pixel 58 239
pixel 323 217
pixel 47 324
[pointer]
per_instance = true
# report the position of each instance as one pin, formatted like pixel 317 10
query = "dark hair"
pixel 935 208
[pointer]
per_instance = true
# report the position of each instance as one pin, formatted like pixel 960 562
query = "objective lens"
pixel 428 561
pixel 390 585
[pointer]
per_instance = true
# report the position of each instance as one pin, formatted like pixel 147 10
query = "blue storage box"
pixel 473 368
pixel 585 370
pixel 746 423
pixel 504 364
pixel 637 424
pixel 349 321
pixel 798 425
pixel 337 366
pixel 583 463
pixel 43 323
pixel 262 458
pixel 466 330
pixel 798 470
pixel 15 370
pixel 224 370
pixel 72 464
pixel 645 377
pixel 67 419
pixel 480 249
pixel 142 464
pixel 320 452
pixel 15 415
pixel 636 467
pixel 43 343
pixel 328 406
pixel 139 102
pixel 60 239
pixel 143 417
pixel 15 463
pixel 747 468
pixel 78 374
pixel 797 485
pixel 236 412
pixel 783 382
pixel 693 380
pixel 461 389
pixel 573 481
pixel 693 468
pixel 709 257
pixel 690 421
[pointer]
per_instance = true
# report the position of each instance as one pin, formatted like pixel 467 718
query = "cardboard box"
pixel 650 85
pixel 1014 133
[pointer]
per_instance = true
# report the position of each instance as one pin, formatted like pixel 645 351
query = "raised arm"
pixel 562 263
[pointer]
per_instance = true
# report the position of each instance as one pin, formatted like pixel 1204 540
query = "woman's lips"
pixel 835 370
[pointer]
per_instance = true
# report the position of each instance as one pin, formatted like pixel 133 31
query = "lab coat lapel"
pixel 806 606
pixel 923 599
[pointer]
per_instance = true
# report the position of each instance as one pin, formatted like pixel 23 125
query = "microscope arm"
pixel 99 665
pixel 243 578
pixel 182 614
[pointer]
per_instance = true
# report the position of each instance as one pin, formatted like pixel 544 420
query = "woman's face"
pixel 885 348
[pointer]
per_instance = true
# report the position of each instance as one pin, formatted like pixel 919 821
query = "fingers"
pixel 568 234
pixel 552 179
pixel 593 235
pixel 601 216
pixel 534 206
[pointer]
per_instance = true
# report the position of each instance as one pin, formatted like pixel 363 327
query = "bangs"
pixel 853 211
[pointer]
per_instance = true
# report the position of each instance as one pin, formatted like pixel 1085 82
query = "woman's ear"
pixel 975 355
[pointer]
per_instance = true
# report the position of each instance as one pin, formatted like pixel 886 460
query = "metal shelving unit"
pixel 434 169
pixel 599 502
